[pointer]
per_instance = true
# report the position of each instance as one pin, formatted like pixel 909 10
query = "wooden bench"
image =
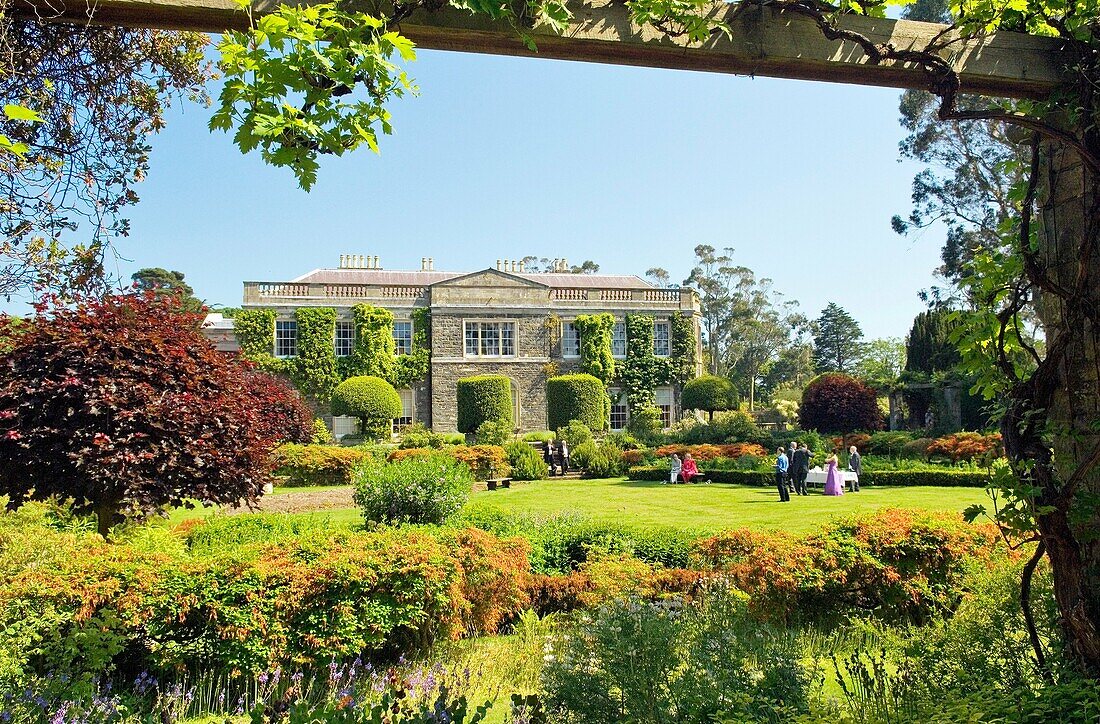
pixel 492 483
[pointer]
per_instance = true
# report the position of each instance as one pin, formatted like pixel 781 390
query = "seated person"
pixel 688 469
pixel 674 469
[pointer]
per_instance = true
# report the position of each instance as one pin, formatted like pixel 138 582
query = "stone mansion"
pixel 503 320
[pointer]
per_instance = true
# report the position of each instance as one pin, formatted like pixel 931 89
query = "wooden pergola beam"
pixel 764 42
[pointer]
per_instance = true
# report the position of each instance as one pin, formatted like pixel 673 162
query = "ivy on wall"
pixel 374 350
pixel 255 330
pixel 684 360
pixel 641 371
pixel 596 353
pixel 314 368
pixel 413 367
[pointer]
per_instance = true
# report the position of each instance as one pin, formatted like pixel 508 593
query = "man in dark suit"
pixel 801 468
pixel 855 465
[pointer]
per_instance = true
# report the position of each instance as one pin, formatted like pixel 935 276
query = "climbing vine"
pixel 374 350
pixel 314 368
pixel 642 371
pixel 255 330
pixel 413 367
pixel 596 353
pixel 684 360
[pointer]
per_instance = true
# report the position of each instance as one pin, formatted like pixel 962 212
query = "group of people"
pixel 683 471
pixel 556 457
pixel 793 467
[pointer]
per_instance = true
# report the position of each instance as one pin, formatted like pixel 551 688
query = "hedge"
pixel 901 478
pixel 482 398
pixel 577 397
pixel 304 465
pixel 371 399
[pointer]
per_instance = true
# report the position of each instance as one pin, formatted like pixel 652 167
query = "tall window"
pixel 286 338
pixel 618 339
pixel 662 397
pixel 490 339
pixel 403 337
pixel 570 340
pixel 407 409
pixel 620 411
pixel 662 346
pixel 345 337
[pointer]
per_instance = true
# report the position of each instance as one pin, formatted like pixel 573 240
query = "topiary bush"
pixel 577 397
pixel 526 462
pixel 482 398
pixel 839 403
pixel 425 490
pixel 372 400
pixel 493 432
pixel 710 393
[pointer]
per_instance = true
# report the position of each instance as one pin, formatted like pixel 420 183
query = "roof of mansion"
pixel 382 277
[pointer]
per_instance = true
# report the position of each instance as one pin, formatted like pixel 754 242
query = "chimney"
pixel 498 264
pixel 431 263
pixel 341 262
pixel 522 264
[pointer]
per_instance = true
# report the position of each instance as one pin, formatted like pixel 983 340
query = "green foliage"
pixel 538 436
pixel 493 432
pixel 321 434
pixel 575 434
pixel 881 364
pixel 162 281
pixel 580 397
pixel 374 352
pixel 728 427
pixel 685 353
pixel 419 436
pixel 710 393
pixel 423 489
pixel 603 462
pixel 310 80
pixel 837 340
pixel 372 400
pixel 526 462
pixel 482 398
pixel 411 368
pixel 255 331
pixel 645 422
pixel 314 366
pixel 928 347
pixel 307 465
pixel 641 371
pixel 596 355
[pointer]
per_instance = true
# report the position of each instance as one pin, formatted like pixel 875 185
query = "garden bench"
pixel 492 483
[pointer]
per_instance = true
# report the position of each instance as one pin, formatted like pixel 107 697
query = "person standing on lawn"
pixel 800 468
pixel 781 468
pixel 855 465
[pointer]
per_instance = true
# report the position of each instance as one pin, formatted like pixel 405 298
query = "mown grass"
pixel 699 507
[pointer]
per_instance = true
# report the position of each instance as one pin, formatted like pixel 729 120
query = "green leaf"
pixel 21 113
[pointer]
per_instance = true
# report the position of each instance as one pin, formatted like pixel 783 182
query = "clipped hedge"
pixel 371 399
pixel 946 478
pixel 577 397
pixel 305 465
pixel 483 398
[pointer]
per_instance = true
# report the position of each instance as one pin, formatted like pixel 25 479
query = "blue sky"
pixel 504 157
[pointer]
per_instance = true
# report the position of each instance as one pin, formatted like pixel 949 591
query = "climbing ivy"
pixel 642 371
pixel 255 330
pixel 596 355
pixel 684 360
pixel 374 350
pixel 314 368
pixel 413 367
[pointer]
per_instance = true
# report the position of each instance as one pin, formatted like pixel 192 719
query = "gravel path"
pixel 303 502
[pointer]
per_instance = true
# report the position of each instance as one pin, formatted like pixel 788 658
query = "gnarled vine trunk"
pixel 1068 391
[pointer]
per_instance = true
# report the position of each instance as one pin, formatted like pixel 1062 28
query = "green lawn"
pixel 712 507
pixel 703 507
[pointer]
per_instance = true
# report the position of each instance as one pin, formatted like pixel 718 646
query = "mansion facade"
pixel 503 320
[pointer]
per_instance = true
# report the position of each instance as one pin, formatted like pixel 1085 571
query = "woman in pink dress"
pixel 834 481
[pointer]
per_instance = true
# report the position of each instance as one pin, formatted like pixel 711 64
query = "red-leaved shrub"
pixel 966 446
pixel 839 403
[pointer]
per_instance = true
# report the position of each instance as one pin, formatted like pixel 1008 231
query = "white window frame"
pixel 408 412
pixel 566 327
pixel 617 327
pixel 618 399
pixel 667 411
pixel 344 324
pixel 400 349
pixel 293 339
pixel 667 339
pixel 466 323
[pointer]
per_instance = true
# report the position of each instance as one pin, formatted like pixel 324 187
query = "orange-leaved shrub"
pixel 303 465
pixel 966 446
pixel 710 452
pixel 484 461
pixel 897 564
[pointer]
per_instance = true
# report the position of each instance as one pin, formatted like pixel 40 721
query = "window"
pixel 618 340
pixel 620 411
pixel 403 337
pixel 662 397
pixel 286 338
pixel 490 339
pixel 408 409
pixel 661 344
pixel 570 340
pixel 342 426
pixel 345 337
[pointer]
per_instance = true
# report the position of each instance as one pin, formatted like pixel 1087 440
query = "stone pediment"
pixel 490 278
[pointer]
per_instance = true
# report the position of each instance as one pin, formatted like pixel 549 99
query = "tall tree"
pixel 716 278
pixel 928 346
pixel 100 91
pixel 545 265
pixel 161 281
pixel 761 329
pixel 882 361
pixel 658 276
pixel 837 340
